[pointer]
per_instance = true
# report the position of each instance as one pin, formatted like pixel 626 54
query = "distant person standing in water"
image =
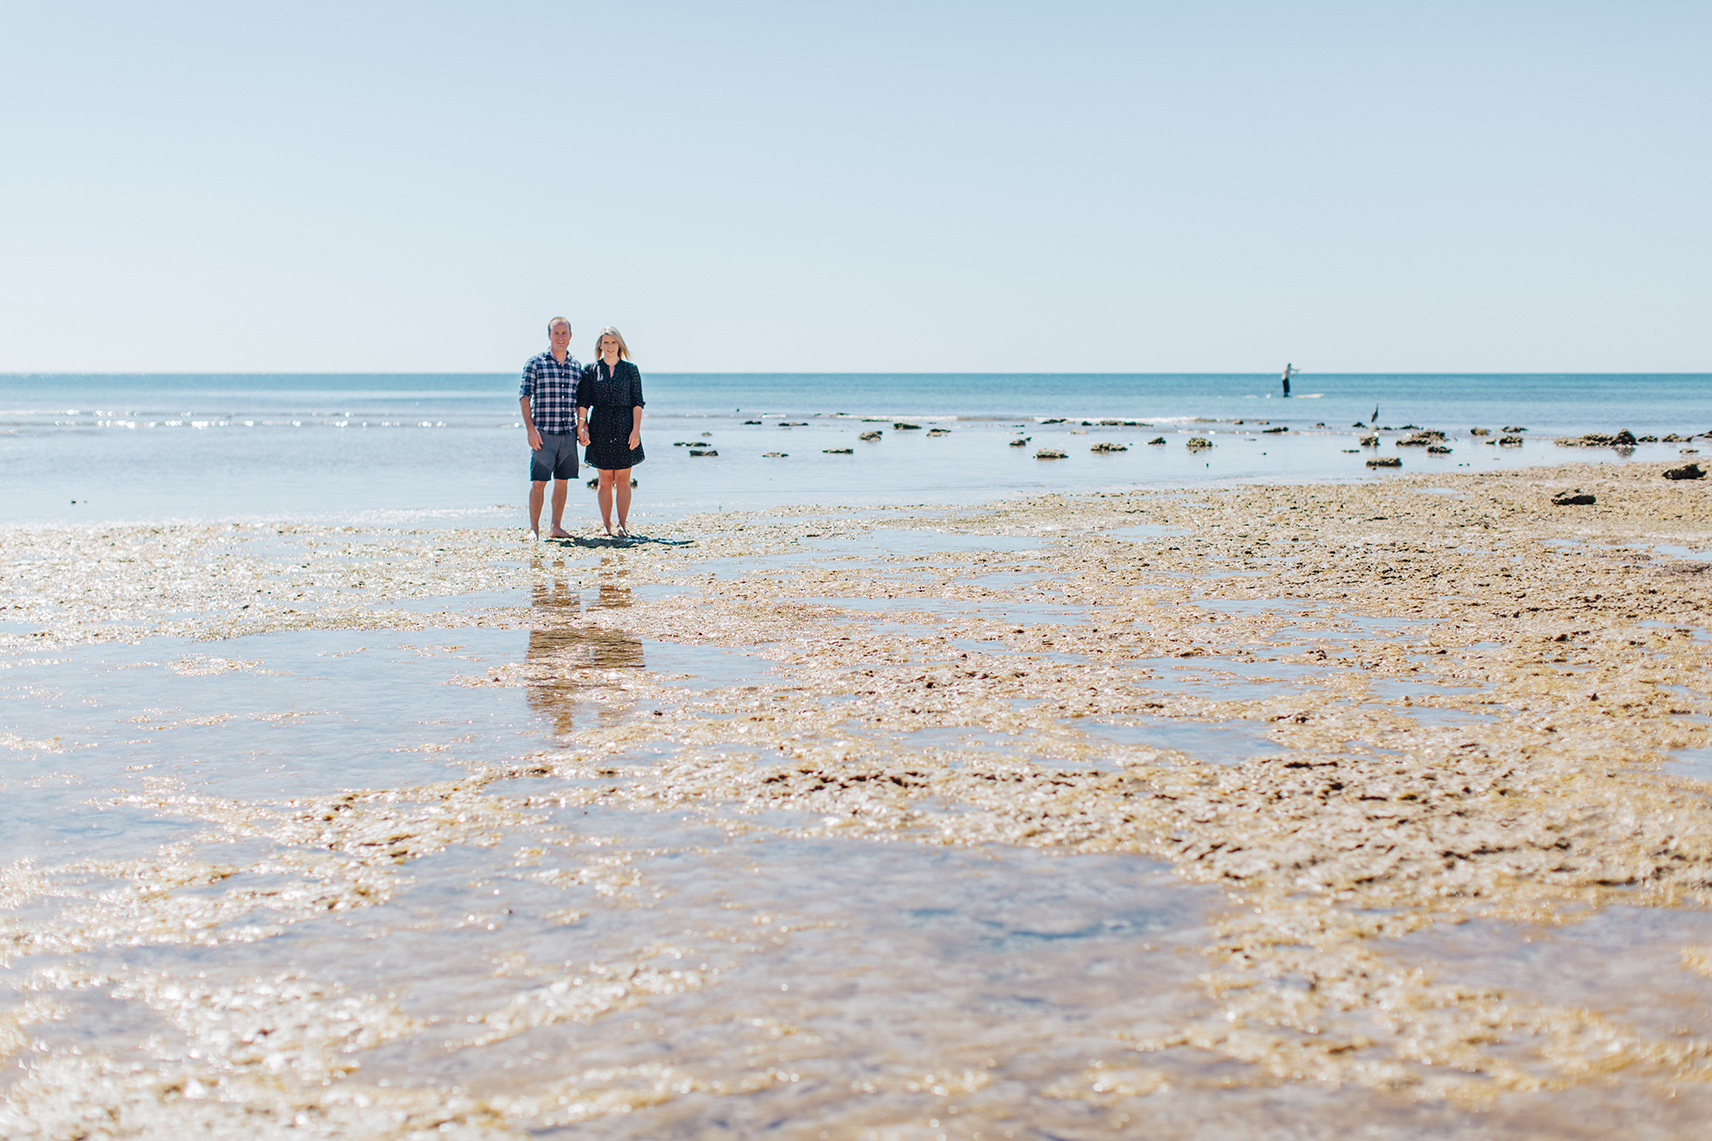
pixel 548 397
pixel 611 389
pixel 1289 371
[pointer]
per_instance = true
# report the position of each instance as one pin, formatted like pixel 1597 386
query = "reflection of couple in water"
pixel 600 407
pixel 564 642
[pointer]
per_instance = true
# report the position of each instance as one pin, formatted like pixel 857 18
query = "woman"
pixel 609 420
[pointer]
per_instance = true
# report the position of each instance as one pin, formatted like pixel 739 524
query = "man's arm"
pixel 529 425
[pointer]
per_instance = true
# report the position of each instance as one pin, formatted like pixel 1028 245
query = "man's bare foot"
pixel 535 532
pixel 560 533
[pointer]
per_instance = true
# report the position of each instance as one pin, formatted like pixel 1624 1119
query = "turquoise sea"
pixel 448 448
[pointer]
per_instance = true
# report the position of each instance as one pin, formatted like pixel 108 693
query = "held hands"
pixel 582 432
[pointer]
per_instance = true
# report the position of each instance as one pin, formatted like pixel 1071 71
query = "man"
pixel 548 397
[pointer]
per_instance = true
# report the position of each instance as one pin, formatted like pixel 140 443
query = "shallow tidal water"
pixel 1251 812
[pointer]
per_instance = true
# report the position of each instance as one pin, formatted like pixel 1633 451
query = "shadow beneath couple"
pixel 603 541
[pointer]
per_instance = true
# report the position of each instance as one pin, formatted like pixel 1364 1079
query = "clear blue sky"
pixel 926 186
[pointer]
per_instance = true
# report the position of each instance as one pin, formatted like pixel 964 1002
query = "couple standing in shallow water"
pixel 600 407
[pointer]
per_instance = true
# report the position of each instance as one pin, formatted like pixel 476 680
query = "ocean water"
pixel 423 449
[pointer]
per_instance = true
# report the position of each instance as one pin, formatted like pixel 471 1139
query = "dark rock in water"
pixel 1515 429
pixel 1272 431
pixel 1422 439
pixel 1108 447
pixel 1156 440
pixel 939 431
pixel 1198 442
pixel 1060 420
pixel 703 452
pixel 1576 498
pixel 1480 431
pixel 903 427
pixel 1385 461
pixel 1686 471
pixel 1438 450
pixel 751 421
pixel 1049 454
pixel 1509 441
pixel 1358 424
pixel 1651 439
pixel 1370 441
pixel 832 451
pixel 869 436
pixel 1410 428
pixel 1623 439
pixel 775 455
pixel 1022 443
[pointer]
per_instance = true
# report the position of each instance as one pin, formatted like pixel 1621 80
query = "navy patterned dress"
pixel 610 395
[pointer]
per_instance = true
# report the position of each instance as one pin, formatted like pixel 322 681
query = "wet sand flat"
pixel 1260 811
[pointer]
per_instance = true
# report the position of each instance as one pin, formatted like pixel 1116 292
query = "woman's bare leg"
pixel 621 480
pixel 605 496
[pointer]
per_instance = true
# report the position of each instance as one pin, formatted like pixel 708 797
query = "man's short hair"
pixel 555 321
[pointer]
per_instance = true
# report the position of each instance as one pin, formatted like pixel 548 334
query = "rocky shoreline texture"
pixel 1458 711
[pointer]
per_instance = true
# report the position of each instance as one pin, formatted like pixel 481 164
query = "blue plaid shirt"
pixel 552 391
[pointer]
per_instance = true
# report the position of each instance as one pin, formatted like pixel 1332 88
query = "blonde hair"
pixel 609 331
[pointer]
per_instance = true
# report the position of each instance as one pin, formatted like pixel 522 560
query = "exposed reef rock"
pixel 1623 439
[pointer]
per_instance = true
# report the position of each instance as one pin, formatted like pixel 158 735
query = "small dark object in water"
pixel 903 427
pixel 1385 461
pixel 1108 447
pixel 1358 424
pixel 1515 429
pixel 1049 454
pixel 869 436
pixel 1686 471
pixel 1020 443
pixel 1438 450
pixel 1480 431
pixel 751 421
pixel 1156 440
pixel 1060 420
pixel 703 452
pixel 838 451
pixel 775 455
pixel 1576 498
pixel 1410 428
pixel 939 431
pixel 1196 443
pixel 1509 441
pixel 594 483
pixel 1272 431
pixel 632 481
pixel 1370 441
